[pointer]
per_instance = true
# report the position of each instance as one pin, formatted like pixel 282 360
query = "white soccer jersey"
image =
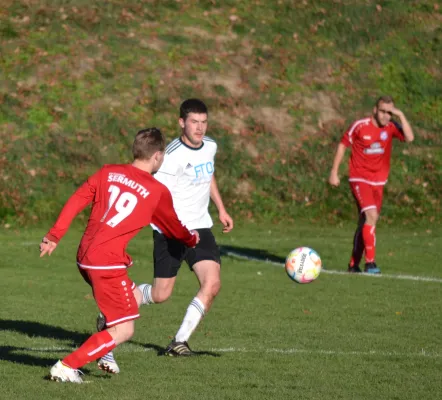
pixel 187 172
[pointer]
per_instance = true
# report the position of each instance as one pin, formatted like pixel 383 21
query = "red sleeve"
pixel 398 132
pixel 83 196
pixel 346 140
pixel 165 218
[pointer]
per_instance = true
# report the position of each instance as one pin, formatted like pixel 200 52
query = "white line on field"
pixel 379 353
pixel 330 271
pixel 238 254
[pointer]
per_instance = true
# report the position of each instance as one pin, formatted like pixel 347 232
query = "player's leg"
pixel 358 241
pixel 168 255
pixel 108 363
pixel 205 262
pixel 358 246
pixel 167 260
pixel 370 209
pixel 372 216
pixel 369 235
pixel 117 301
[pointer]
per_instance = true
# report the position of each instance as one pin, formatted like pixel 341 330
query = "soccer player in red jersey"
pixel 370 140
pixel 125 198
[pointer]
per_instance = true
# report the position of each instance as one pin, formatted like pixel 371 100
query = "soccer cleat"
pixel 101 322
pixel 354 270
pixel 371 268
pixel 178 349
pixel 108 365
pixel 62 373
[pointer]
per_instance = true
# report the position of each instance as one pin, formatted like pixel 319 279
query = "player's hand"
pixel 195 233
pixel 334 180
pixel 47 246
pixel 396 112
pixel 226 220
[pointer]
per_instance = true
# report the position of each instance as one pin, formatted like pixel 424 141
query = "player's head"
pixel 382 111
pixel 193 122
pixel 149 145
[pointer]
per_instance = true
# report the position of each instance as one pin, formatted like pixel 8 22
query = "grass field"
pixel 341 337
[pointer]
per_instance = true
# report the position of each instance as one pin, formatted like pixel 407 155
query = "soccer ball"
pixel 303 265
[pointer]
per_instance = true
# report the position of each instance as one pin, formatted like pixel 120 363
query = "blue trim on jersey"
pixel 171 148
pixel 398 126
pixel 192 148
pixel 172 143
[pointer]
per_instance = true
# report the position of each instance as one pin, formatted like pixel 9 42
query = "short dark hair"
pixel 192 106
pixel 384 99
pixel 147 142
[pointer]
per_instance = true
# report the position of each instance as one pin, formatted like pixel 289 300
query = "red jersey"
pixel 370 150
pixel 124 200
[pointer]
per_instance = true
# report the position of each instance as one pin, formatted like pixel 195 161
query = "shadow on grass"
pixel 252 254
pixel 32 329
pixel 36 329
pixel 16 355
pixel 161 351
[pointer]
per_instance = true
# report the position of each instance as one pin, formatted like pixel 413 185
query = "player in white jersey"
pixel 188 172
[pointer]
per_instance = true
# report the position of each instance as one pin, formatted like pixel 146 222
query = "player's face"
pixel 194 128
pixel 383 113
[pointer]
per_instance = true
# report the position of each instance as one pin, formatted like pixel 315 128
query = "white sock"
pixel 109 357
pixel 146 289
pixel 195 312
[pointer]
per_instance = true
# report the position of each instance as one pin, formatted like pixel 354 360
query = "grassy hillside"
pixel 282 79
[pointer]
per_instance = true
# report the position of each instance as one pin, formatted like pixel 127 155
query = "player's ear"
pixel 159 157
pixel 181 122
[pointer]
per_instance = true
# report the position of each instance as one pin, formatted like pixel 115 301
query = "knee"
pixel 160 296
pixel 213 288
pixel 371 217
pixel 129 333
pixel 123 332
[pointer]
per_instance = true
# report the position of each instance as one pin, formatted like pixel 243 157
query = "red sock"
pixel 95 347
pixel 369 235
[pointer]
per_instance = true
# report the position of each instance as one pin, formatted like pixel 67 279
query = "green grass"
pixel 341 337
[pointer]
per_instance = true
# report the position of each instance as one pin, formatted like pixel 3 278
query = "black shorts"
pixel 168 254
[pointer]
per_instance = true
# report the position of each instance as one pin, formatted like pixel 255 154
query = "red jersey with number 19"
pixel 124 200
pixel 370 150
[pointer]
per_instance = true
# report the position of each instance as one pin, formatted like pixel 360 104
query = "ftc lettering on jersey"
pixel 121 178
pixel 203 172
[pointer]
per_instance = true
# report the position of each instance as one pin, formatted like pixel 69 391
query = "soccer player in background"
pixel 370 140
pixel 188 172
pixel 125 198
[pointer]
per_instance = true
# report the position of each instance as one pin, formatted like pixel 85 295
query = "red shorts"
pixel 113 292
pixel 367 196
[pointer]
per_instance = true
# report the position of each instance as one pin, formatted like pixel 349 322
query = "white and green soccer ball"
pixel 303 265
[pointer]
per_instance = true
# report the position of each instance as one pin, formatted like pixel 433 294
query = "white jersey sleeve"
pixel 168 173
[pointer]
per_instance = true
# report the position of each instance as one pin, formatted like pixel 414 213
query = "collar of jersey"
pixel 192 148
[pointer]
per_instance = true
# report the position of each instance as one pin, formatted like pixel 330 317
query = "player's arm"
pixel 224 217
pixel 406 127
pixel 76 203
pixel 334 173
pixel 166 219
